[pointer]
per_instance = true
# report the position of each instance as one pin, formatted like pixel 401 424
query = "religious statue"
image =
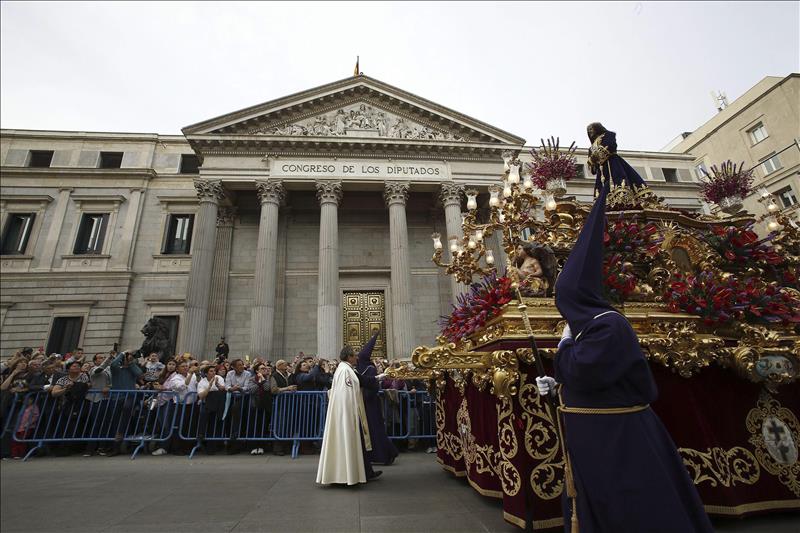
pixel 536 268
pixel 605 163
pixel 340 123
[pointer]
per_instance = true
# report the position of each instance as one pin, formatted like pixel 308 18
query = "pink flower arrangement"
pixel 726 181
pixel 550 163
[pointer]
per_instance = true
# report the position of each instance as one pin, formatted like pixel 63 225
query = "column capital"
pixel 209 190
pixel 226 216
pixel 396 192
pixel 271 191
pixel 451 194
pixel 329 191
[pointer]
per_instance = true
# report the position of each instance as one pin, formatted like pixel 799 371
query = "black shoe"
pixel 375 475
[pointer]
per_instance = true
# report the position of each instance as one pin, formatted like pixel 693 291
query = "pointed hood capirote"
pixel 579 288
pixel 365 355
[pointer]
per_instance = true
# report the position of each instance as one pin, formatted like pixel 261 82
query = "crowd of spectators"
pixel 68 379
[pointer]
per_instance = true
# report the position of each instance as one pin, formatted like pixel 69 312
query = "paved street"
pixel 245 493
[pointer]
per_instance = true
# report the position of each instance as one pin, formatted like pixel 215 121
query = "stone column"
pixel 198 290
pixel 54 231
pixel 218 302
pixel 329 194
pixel 262 321
pixel 451 196
pixel 396 195
pixel 122 259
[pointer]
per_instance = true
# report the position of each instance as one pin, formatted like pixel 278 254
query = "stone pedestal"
pixel 451 196
pixel 396 195
pixel 329 194
pixel 262 322
pixel 198 290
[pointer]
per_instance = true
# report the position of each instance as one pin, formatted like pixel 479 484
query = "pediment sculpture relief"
pixel 360 120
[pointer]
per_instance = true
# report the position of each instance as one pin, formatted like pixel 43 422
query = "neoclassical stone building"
pixel 295 225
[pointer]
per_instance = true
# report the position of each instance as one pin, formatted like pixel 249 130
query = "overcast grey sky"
pixel 534 69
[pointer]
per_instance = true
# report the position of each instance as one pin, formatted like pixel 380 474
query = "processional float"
pixel 716 309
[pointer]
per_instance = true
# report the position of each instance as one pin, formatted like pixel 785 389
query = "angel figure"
pixel 535 265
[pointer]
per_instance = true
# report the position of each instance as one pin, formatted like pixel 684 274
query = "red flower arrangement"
pixel 550 163
pixel 619 281
pixel 725 181
pixel 741 246
pixel 632 239
pixel 476 307
pixel 722 300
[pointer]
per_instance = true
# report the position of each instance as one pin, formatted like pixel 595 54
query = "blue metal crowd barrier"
pixel 10 410
pixel 241 419
pixel 139 416
pixel 149 416
pixel 299 416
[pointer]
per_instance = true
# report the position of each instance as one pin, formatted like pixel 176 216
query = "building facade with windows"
pixel 300 224
pixel 761 128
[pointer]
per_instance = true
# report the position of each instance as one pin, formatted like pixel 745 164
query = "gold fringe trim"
pixel 752 507
pixel 537 524
pixel 603 410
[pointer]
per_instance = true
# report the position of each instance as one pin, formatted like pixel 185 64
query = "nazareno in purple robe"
pixel 383 451
pixel 616 167
pixel 627 471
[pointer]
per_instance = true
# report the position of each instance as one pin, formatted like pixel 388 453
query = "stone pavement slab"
pixel 246 493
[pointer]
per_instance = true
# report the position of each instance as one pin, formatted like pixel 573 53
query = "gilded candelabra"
pixel 512 205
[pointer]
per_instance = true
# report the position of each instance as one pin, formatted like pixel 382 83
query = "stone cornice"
pixel 396 192
pixel 270 191
pixel 59 173
pixel 329 191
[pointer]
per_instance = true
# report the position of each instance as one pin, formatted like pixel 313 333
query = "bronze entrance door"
pixel 364 313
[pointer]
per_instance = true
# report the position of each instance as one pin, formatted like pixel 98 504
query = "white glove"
pixel 545 385
pixel 566 334
pixel 380 376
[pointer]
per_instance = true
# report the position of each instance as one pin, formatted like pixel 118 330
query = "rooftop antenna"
pixel 720 100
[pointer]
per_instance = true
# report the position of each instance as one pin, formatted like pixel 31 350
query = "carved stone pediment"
pixel 360 120
pixel 356 107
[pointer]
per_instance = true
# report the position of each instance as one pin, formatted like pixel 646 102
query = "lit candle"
pixel 772 225
pixel 494 199
pixel 527 183
pixel 513 174
pixel 489 257
pixel 479 235
pixel 772 207
pixel 437 241
pixel 507 191
pixel 551 204
pixel 472 203
pixel 472 244
pixel 453 244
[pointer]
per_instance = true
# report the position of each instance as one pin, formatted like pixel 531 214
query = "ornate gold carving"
pixel 364 313
pixel 718 466
pixel 679 347
pixel 507 442
pixel 775 434
pixel 505 374
pixel 541 444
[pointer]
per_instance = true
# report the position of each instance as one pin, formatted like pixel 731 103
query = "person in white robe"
pixel 346 438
